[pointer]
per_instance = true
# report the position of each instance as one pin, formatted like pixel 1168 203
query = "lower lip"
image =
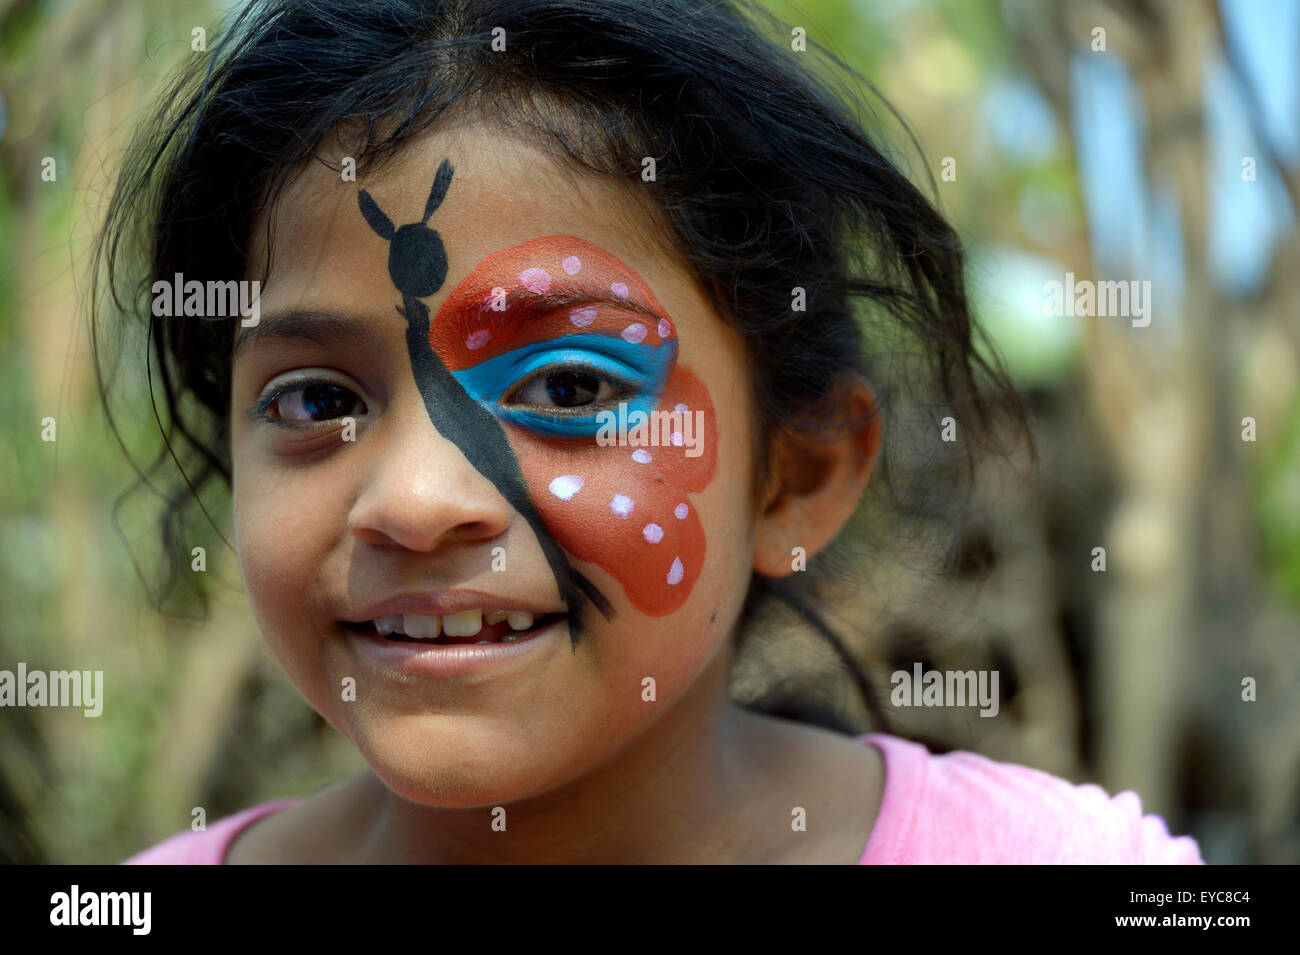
pixel 447 661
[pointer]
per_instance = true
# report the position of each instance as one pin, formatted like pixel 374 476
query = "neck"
pixel 672 794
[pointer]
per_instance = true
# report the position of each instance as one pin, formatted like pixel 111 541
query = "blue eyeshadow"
pixel 641 368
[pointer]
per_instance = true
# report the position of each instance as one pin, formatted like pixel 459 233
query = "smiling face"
pixel 557 303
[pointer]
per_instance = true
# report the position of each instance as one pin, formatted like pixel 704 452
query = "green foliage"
pixel 1277 497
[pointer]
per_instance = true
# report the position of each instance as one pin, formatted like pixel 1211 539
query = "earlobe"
pixel 816 485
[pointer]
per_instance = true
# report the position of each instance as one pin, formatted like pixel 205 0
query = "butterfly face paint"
pixel 551 337
pixel 417 264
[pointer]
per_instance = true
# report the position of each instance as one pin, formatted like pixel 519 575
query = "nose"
pixel 422 492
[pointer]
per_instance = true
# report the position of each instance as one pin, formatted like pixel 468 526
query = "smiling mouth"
pixel 431 631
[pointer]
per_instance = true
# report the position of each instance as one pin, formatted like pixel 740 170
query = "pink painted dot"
pixel 653 533
pixel 478 339
pixel 680 512
pixel 641 456
pixel 566 485
pixel 664 328
pixel 583 317
pixel 676 572
pixel 619 289
pixel 676 439
pixel 535 280
pixel 621 505
pixel 634 333
pixel 572 264
pixel 680 408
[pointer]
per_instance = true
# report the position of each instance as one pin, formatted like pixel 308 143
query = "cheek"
pixel 631 509
pixel 282 544
pixel 281 539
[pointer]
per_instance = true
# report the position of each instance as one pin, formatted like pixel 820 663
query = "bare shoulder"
pixel 307 833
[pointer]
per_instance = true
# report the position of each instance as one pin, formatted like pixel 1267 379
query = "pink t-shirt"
pixel 957 808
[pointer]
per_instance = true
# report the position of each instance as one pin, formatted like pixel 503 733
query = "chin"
pixel 452 786
pixel 460 770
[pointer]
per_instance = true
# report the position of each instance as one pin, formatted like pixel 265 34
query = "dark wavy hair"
pixel 764 183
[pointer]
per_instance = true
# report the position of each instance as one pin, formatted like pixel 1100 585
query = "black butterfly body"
pixel 417 265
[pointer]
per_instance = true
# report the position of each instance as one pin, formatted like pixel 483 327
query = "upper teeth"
pixel 463 624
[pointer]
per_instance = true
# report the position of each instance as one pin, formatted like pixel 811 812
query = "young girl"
pixel 554 367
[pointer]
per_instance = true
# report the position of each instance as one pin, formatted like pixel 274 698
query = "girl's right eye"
pixel 307 402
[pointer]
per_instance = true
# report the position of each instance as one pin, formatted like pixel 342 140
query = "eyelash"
pixel 622 389
pixel 260 410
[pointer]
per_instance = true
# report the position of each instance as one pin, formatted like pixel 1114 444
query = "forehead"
pixel 504 192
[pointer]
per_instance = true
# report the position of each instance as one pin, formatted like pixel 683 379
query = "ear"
pixel 815 483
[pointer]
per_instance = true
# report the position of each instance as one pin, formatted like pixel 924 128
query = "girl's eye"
pixel 566 388
pixel 308 402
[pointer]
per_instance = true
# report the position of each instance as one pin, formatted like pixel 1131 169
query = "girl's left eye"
pixel 574 388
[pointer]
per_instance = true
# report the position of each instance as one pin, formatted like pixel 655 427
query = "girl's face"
pixel 376 481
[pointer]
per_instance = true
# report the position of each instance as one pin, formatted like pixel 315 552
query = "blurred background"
pixel 1150 140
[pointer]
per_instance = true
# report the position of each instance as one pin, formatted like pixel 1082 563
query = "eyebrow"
pixel 536 305
pixel 325 328
pixel 320 327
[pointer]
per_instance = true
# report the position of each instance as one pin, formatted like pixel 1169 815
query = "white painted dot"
pixel 664 328
pixel 680 408
pixel 653 533
pixel 634 333
pixel 621 505
pixel 583 317
pixel 535 280
pixel 572 264
pixel 641 456
pixel 676 439
pixel 478 339
pixel 676 572
pixel 680 512
pixel 566 485
pixel 619 289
